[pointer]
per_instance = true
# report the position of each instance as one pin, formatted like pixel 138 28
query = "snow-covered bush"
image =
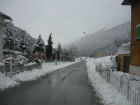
pixel 30 64
pixel 19 59
pixel 37 60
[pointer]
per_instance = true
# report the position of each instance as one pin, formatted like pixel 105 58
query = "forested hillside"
pixel 105 41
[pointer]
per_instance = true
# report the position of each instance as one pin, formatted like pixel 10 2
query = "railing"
pixel 125 83
pixel 10 69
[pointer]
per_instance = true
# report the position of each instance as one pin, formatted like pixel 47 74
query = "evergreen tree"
pixel 49 47
pixel 59 51
pixel 39 46
pixel 8 41
pixel 22 44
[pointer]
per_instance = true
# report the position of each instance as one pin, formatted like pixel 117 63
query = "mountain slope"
pixel 105 41
pixel 13 36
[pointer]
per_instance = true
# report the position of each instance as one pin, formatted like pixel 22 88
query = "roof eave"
pixel 5 16
pixel 126 2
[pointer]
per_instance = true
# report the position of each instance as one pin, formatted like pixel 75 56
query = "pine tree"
pixel 39 46
pixel 22 44
pixel 9 41
pixel 49 47
pixel 59 51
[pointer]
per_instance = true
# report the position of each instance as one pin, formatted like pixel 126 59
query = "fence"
pixel 127 84
pixel 10 69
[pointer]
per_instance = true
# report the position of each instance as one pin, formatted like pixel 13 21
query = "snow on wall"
pixel 104 61
pixel 124 49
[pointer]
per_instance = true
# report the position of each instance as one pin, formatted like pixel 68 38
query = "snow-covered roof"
pixel 124 49
pixel 126 44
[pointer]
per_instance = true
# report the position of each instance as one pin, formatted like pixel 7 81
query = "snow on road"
pixel 6 82
pixel 106 91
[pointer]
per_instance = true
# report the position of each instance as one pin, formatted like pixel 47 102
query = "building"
pixel 123 56
pixel 3 19
pixel 135 36
pixel 99 54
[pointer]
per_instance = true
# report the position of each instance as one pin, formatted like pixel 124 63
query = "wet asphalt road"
pixel 68 86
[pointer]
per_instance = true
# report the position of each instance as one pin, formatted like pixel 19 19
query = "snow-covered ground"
pixel 108 94
pixel 6 82
pixel 37 73
pixel 30 64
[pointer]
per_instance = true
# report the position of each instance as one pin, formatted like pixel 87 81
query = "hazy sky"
pixel 66 19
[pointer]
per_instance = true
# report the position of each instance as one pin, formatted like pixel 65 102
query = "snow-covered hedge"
pixel 19 59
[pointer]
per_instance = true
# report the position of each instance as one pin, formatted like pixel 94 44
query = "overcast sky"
pixel 66 19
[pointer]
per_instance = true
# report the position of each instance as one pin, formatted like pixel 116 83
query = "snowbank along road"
pixel 67 86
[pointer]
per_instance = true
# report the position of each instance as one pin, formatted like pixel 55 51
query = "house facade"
pixel 135 36
pixel 3 17
pixel 123 57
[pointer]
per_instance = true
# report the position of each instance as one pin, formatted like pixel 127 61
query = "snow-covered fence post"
pixel 94 60
pixel 22 67
pixel 128 90
pixel 124 85
pixel 5 67
pixel 135 96
pixel 128 86
pixel 95 67
pixel 108 75
pixel 139 96
pixel 55 62
pixel 100 69
pixel 121 84
pixel 11 64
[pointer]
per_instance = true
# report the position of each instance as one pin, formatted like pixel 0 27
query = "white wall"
pixel 135 70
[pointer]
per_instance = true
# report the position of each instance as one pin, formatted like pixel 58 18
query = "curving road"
pixel 68 86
